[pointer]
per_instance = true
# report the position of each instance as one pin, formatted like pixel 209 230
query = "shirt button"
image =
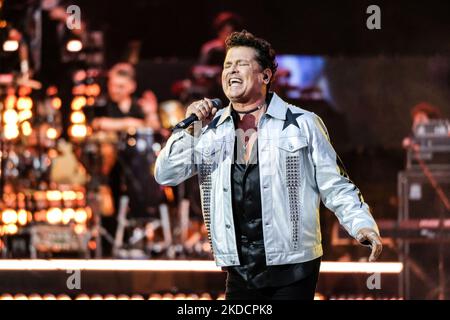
pixel 225 189
pixel 266 186
pixel 227 226
pixel 232 261
pixel 291 147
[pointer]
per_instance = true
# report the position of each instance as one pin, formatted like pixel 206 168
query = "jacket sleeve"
pixel 175 162
pixel 337 191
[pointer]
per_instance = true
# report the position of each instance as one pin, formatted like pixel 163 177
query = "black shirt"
pixel 246 202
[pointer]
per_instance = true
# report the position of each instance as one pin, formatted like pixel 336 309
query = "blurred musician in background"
pixel 128 163
pixel 421 113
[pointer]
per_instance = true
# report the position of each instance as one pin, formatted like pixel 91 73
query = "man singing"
pixel 263 167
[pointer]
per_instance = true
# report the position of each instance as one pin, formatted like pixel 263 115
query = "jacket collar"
pixel 276 109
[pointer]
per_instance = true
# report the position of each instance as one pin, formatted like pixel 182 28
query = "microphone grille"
pixel 217 103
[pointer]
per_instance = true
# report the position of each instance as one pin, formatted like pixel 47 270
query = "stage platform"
pixel 153 277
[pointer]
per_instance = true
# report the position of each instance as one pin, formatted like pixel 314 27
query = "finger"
pixel 372 257
pixel 376 250
pixel 209 103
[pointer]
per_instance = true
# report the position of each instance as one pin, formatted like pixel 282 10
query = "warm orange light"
pixel 11 229
pixel 24 103
pixel 10 45
pixel 69 195
pixel 56 103
pixel 80 195
pixel 11 131
pixel 25 115
pixel 54 195
pixel 78 103
pixel 78 131
pixel 10 117
pixel 23 217
pixel 54 215
pixel 26 128
pixel 68 214
pixel 93 90
pixel 90 101
pixel 10 101
pixel 77 117
pixel 52 133
pixel 74 45
pixel 80 216
pixel 9 216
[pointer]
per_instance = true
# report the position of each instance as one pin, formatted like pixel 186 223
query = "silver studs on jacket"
pixel 293 185
pixel 205 171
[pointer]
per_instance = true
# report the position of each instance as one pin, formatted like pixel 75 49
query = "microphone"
pixel 217 103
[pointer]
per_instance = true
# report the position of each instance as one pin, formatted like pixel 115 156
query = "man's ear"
pixel 267 75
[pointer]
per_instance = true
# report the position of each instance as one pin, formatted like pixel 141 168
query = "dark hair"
pixel 265 54
pixel 431 111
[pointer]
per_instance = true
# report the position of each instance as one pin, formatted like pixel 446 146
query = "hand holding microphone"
pixel 198 111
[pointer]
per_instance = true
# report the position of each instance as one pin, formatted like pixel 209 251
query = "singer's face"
pixel 242 76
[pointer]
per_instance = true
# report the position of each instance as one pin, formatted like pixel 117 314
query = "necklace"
pixel 252 110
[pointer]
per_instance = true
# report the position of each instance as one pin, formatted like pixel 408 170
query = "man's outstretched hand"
pixel 370 237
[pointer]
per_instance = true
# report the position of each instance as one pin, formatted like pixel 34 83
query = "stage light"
pixel 79 229
pixel 11 132
pixel 20 296
pixel 49 296
pixel 9 216
pixel 77 117
pixel 74 45
pixel 68 215
pixel 34 296
pixel 123 297
pixel 96 297
pixel 80 216
pixel 23 217
pixel 110 297
pixel 24 103
pixel 78 131
pixel 53 195
pixel 10 117
pixel 25 115
pixel 56 103
pixel 63 297
pixel 82 297
pixel 10 101
pixel 93 90
pixel 137 297
pixel 52 133
pixel 54 216
pixel 80 196
pixel 78 103
pixel 26 128
pixel 6 296
pixel 69 195
pixel 10 45
pixel 11 229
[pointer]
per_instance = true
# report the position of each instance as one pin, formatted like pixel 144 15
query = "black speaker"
pixel 426 259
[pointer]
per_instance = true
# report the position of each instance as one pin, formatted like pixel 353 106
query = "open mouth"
pixel 234 82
